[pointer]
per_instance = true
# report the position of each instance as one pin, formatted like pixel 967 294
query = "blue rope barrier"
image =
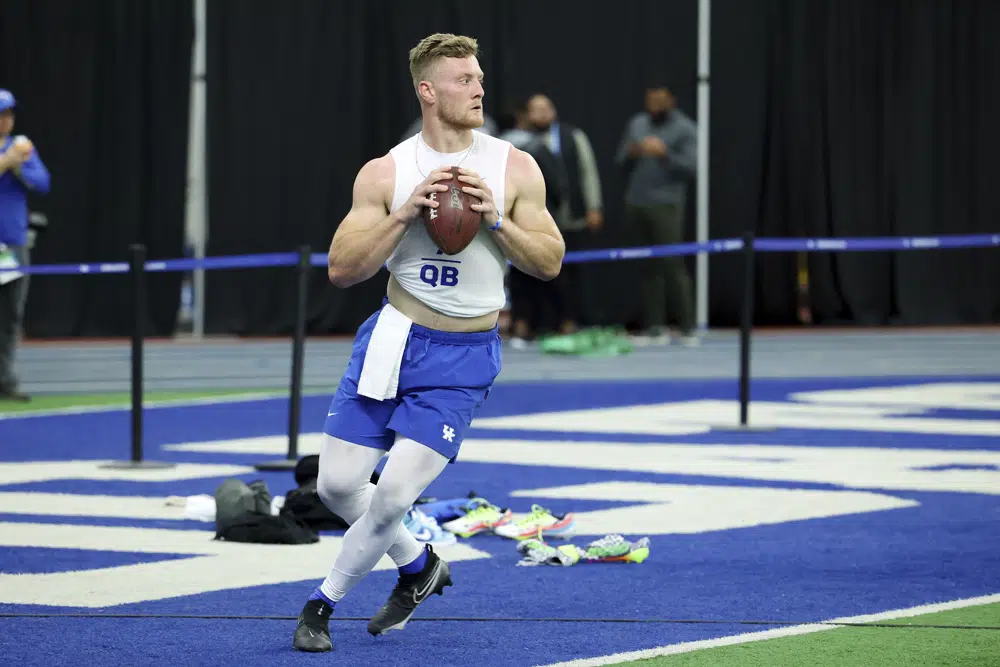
pixel 863 244
pixel 648 252
pixel 230 262
pixel 280 259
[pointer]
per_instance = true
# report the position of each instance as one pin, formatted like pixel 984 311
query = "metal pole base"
pixel 283 464
pixel 138 465
pixel 742 428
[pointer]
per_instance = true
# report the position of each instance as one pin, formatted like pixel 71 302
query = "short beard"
pixel 462 121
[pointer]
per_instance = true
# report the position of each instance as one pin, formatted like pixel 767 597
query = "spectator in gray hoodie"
pixel 659 153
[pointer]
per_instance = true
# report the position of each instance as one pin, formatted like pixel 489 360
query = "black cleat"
pixel 313 631
pixel 410 591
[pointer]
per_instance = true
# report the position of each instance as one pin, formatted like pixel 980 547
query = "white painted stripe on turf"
pixel 673 417
pixel 212 565
pixel 853 467
pixel 668 509
pixel 46 471
pixel 688 647
pixel 309 443
pixel 69 504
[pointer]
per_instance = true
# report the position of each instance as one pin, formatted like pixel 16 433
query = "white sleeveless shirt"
pixel 470 283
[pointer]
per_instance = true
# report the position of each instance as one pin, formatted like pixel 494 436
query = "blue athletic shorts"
pixel 443 379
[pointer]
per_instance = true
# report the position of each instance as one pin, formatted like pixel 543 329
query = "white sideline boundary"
pixel 746 638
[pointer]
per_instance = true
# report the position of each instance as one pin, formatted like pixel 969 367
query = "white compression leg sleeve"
pixel 344 487
pixel 410 469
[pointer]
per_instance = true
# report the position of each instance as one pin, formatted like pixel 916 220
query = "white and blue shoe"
pixel 426 529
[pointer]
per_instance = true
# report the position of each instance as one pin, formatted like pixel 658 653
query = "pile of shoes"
pixel 465 517
pixel 592 342
pixel 472 515
pixel 608 549
pixel 247 513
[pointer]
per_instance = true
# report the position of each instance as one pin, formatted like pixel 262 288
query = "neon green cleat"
pixel 540 522
pixel 616 548
pixel 485 516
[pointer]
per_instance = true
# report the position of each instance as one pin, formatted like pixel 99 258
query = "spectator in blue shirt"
pixel 20 170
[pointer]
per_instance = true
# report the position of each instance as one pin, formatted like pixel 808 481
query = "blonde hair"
pixel 439 45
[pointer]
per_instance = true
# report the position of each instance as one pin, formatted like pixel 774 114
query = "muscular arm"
pixel 530 238
pixel 368 235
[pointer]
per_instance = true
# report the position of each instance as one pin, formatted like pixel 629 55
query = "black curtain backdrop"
pixel 829 118
pixel 858 118
pixel 302 94
pixel 102 89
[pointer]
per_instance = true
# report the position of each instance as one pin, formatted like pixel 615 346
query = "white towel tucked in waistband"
pixel 380 369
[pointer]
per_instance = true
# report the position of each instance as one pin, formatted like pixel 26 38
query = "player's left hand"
pixel 477 188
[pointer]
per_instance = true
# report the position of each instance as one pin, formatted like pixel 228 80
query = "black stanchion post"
pixel 746 328
pixel 746 324
pixel 137 273
pixel 298 357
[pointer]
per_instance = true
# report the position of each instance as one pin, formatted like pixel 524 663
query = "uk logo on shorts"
pixel 448 434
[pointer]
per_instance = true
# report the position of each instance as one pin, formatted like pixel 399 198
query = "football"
pixel 453 224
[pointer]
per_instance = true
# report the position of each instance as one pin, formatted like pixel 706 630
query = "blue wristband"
pixel 497 225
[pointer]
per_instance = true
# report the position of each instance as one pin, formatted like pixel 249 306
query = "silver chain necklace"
pixel 416 152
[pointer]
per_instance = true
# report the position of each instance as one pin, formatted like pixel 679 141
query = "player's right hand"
pixel 414 206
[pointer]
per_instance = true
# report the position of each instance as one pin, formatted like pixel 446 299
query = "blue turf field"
pixel 939 544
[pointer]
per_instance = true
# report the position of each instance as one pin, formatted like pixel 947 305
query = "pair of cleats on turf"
pixel 608 549
pixel 313 630
pixel 484 516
